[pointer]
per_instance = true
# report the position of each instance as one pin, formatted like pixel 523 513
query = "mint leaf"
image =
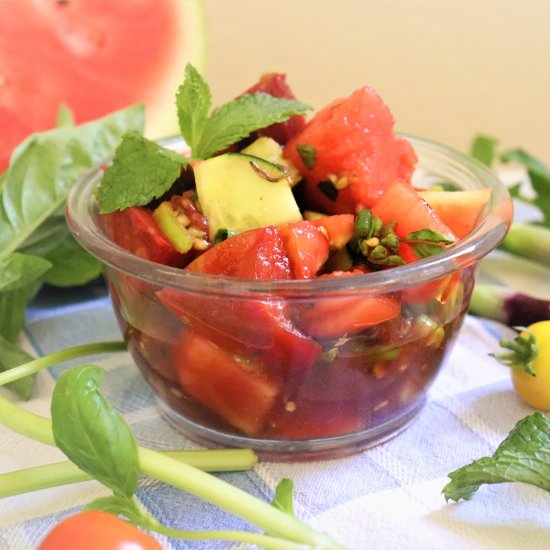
pixel 92 433
pixel 524 456
pixel 240 117
pixel 483 148
pixel 283 496
pixel 12 356
pixel 142 170
pixel 193 101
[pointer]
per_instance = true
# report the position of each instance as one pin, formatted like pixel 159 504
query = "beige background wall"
pixel 447 68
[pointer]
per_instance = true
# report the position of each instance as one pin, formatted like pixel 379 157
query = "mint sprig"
pixel 143 170
pixel 524 456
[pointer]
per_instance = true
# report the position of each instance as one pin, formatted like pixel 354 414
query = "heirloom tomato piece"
pixel 336 317
pixel 135 230
pixel 306 246
pixel 238 388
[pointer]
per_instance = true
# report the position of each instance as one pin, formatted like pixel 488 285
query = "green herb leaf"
pixel 92 433
pixel 308 154
pixel 539 175
pixel 64 117
pixel 13 305
pixel 71 265
pixel 483 148
pixel 283 496
pixel 142 170
pixel 240 117
pixel 429 235
pixel 12 356
pixel 328 189
pixel 45 166
pixel 524 456
pixel 122 506
pixel 193 101
pixel 426 242
pixel 18 270
pixel 223 234
pixel 424 250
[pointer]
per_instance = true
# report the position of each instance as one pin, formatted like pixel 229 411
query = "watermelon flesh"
pixel 357 152
pixel 93 56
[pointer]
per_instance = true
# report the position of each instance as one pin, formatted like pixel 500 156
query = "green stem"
pixel 189 479
pixel 58 357
pixel 266 542
pixel 64 473
pixel 231 499
pixel 529 241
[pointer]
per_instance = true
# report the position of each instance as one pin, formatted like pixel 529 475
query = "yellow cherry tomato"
pixel 535 390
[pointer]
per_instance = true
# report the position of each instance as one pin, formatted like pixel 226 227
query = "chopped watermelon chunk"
pixel 358 156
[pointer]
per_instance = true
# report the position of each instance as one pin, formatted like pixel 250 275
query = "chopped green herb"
pixel 328 189
pixel 283 496
pixel 308 154
pixel 223 234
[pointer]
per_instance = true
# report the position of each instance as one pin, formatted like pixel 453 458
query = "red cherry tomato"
pixel 96 530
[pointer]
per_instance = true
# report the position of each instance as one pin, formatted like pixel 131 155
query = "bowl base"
pixel 293 450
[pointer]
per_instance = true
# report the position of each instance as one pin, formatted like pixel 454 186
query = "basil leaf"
pixel 424 250
pixel 142 170
pixel 240 117
pixel 193 101
pixel 92 433
pixel 45 166
pixel 71 265
pixel 18 270
pixel 523 456
pixel 483 149
pixel 13 305
pixel 283 496
pixel 525 159
pixel 429 235
pixel 12 356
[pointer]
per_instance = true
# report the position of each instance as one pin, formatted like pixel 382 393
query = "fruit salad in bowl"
pixel 285 283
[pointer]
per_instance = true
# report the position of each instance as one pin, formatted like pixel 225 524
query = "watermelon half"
pixel 95 56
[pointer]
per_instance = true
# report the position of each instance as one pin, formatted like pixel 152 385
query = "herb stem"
pixel 266 542
pixel 63 473
pixel 56 357
pixel 189 479
pixel 231 499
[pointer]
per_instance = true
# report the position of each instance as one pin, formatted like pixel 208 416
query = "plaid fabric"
pixel 387 497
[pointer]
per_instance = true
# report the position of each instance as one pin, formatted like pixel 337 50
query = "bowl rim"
pixel 466 252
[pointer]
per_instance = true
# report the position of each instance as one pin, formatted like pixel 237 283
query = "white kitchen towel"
pixel 388 497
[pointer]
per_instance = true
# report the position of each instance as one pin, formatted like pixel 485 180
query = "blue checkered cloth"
pixel 387 497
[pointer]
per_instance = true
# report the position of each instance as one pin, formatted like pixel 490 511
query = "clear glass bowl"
pixel 227 360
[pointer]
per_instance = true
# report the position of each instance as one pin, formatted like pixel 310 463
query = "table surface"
pixel 386 497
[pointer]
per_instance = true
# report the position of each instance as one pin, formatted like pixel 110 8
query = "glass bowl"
pixel 279 366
